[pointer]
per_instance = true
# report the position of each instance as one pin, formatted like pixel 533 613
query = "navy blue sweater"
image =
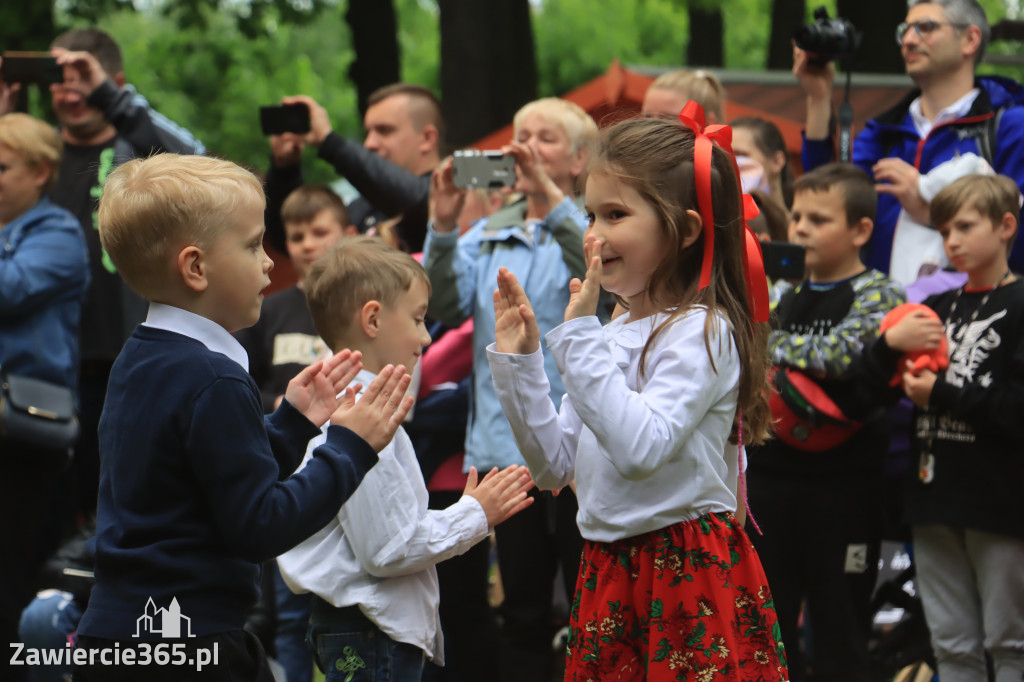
pixel 195 487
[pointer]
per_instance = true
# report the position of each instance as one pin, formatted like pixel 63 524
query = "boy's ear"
pixel 1007 227
pixel 192 268
pixel 862 229
pixel 369 318
pixel 692 228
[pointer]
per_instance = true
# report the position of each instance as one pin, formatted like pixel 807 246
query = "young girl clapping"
pixel 669 586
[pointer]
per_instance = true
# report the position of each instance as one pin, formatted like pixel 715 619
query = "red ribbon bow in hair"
pixel 705 137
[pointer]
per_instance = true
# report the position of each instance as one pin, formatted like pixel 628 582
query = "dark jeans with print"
pixel 347 646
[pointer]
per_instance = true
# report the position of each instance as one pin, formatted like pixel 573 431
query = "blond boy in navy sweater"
pixel 195 487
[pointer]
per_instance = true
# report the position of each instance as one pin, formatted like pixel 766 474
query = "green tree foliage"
pixel 577 39
pixel 213 80
pixel 746 33
pixel 211 77
pixel 419 40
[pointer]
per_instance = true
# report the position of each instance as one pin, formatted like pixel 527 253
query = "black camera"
pixel 827 39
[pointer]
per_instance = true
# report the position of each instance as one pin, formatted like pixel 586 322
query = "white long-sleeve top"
pixel 645 454
pixel 379 552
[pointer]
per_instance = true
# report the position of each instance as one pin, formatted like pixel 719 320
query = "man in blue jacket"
pixel 952 112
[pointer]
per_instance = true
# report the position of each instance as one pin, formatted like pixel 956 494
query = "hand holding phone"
pixel 446 200
pixel 284 118
pixel 8 93
pixel 83 71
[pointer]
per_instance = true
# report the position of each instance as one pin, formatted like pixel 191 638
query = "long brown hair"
pixel 655 157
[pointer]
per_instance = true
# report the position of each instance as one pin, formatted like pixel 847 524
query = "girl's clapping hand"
pixel 515 326
pixel 583 295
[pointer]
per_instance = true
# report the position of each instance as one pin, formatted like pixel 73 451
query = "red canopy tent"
pixel 776 97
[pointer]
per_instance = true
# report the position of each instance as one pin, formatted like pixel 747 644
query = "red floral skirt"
pixel 689 602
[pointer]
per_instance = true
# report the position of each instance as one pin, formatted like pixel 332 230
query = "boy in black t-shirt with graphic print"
pixel 963 502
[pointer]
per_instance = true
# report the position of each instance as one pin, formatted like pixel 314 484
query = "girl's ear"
pixel 369 318
pixel 192 268
pixel 692 228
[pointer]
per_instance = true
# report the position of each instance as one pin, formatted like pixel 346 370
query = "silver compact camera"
pixel 484 169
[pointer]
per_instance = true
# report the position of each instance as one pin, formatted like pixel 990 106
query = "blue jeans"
pixel 47 623
pixel 348 647
pixel 290 636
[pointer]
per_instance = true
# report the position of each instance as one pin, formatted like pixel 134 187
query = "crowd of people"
pixel 585 382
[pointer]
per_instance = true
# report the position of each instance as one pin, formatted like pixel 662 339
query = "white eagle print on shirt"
pixel 972 344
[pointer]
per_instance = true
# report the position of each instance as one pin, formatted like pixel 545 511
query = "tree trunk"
pixel 787 17
pixel 375 42
pixel 705 47
pixel 877 22
pixel 488 66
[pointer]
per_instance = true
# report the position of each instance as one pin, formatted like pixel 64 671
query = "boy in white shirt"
pixel 371 569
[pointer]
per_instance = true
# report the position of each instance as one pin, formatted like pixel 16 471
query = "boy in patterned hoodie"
pixel 820 510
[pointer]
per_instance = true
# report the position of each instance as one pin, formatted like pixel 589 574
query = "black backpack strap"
pixel 989 137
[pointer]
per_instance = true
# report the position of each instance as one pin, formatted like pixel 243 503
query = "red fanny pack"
pixel 804 416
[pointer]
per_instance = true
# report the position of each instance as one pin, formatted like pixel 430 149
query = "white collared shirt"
pixel 202 329
pixel 379 552
pixel 645 453
pixel 957 109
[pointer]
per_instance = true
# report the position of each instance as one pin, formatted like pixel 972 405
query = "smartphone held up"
pixel 284 118
pixel 30 67
pixel 783 260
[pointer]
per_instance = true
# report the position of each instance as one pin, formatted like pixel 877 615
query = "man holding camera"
pixel 952 112
pixel 391 169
